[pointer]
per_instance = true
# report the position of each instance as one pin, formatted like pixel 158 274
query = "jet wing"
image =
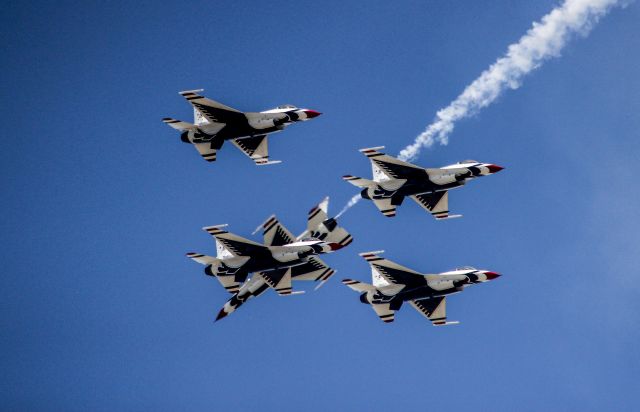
pixel 436 203
pixel 213 111
pixel 256 148
pixel 314 269
pixel 433 309
pixel 274 232
pixel 384 312
pixel 385 167
pixel 280 280
pixel 229 244
pixel 385 272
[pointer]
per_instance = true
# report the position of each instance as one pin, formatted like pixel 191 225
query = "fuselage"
pixel 273 258
pixel 428 286
pixel 445 178
pixel 249 124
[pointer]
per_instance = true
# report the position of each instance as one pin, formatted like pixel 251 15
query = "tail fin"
pixel 320 226
pixel 359 181
pixel 317 214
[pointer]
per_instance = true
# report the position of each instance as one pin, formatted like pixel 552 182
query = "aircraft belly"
pixel 245 130
pixel 426 292
pixel 265 264
pixel 427 187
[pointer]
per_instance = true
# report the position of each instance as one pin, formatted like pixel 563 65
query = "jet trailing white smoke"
pixel 541 42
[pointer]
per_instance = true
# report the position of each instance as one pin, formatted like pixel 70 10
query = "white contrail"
pixel 544 40
pixel 355 199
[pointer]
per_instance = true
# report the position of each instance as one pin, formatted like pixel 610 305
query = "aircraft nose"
pixel 494 168
pixel 491 275
pixel 311 113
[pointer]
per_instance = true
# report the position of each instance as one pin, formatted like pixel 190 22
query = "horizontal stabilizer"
pixel 358 286
pixel 453 322
pixel 384 312
pixel 202 259
pixel 449 217
pixel 358 181
pixel 179 124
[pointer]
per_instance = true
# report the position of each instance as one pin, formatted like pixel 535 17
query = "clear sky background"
pixel 100 309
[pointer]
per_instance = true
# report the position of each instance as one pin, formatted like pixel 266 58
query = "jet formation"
pixel 394 284
pixel 394 179
pixel 279 260
pixel 246 269
pixel 214 123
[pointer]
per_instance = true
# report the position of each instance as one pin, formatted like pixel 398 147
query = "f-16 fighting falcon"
pixel 394 179
pixel 394 284
pixel 214 123
pixel 274 264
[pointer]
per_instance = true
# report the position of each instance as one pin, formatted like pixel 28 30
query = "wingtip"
pixel 214 228
pixel 182 93
pixel 373 252
pixel 371 149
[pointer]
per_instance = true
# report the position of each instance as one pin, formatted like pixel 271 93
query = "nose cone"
pixel 491 275
pixel 494 168
pixel 311 113
pixel 221 315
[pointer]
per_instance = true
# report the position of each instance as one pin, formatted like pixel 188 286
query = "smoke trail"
pixel 544 40
pixel 355 199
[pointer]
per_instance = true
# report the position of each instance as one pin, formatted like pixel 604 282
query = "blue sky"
pixel 100 309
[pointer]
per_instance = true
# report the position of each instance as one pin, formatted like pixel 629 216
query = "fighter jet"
pixel 214 123
pixel 394 284
pixel 394 179
pixel 274 264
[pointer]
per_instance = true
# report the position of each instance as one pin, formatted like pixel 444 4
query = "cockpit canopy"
pixel 466 268
pixel 286 106
pixel 309 239
pixel 468 161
